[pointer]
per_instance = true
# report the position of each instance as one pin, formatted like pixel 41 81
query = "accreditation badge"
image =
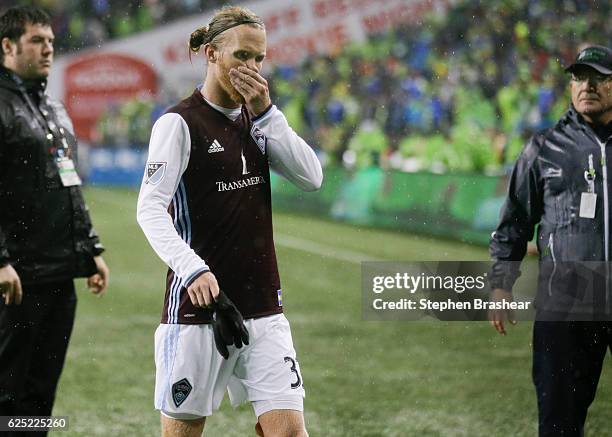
pixel 588 200
pixel 67 172
pixel 587 205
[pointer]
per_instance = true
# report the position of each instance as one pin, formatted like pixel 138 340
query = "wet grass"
pixel 426 378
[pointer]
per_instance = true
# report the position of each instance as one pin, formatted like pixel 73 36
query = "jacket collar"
pixel 9 79
pixel 574 117
pixel 577 121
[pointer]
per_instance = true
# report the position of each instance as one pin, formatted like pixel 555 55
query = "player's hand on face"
pixel 10 285
pixel 253 87
pixel 497 318
pixel 98 282
pixel 203 290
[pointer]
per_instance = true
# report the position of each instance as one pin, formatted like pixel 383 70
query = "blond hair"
pixel 224 19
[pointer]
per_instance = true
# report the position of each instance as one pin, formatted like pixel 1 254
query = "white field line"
pixel 322 249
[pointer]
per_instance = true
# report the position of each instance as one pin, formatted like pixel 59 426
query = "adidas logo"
pixel 215 147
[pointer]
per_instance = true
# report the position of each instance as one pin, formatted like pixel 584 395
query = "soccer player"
pixel 205 207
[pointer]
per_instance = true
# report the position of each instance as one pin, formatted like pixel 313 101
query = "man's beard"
pixel 27 68
pixel 227 86
pixel 597 112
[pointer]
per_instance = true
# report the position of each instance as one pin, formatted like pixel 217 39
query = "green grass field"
pixel 426 378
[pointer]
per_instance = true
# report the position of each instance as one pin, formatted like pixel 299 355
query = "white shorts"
pixel 192 377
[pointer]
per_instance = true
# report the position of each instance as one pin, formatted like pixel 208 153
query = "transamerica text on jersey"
pixel 243 183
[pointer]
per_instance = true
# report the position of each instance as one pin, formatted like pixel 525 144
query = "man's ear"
pixel 8 46
pixel 211 53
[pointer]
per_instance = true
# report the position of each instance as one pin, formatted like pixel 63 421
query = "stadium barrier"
pixel 464 207
pixel 114 166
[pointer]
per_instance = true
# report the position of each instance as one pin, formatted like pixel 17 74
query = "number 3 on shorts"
pixel 295 370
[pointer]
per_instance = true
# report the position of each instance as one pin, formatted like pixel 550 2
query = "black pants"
pixel 567 362
pixel 34 338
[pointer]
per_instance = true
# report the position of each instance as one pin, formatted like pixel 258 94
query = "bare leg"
pixel 182 428
pixel 283 423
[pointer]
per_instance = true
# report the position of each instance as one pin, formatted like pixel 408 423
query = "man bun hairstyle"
pixel 14 20
pixel 224 19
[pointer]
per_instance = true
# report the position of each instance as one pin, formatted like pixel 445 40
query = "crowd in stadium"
pixel 459 92
pixel 82 23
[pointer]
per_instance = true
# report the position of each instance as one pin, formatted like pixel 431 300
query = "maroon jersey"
pixel 222 209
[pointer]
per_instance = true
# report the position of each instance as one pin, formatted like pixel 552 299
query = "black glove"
pixel 228 325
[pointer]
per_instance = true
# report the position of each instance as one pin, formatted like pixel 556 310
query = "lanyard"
pixel 47 121
pixel 589 175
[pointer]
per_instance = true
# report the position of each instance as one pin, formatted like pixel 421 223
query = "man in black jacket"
pixel 46 236
pixel 561 183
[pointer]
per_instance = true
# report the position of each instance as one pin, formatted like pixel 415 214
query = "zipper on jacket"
pixel 551 247
pixel 606 223
pixel 604 168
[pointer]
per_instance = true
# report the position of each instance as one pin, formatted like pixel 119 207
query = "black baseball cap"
pixel 597 57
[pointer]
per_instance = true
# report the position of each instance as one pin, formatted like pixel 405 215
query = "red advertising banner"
pixel 94 82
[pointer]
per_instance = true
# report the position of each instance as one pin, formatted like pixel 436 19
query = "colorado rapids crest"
pixel 180 391
pixel 259 138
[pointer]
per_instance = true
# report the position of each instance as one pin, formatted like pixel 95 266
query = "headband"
pixel 243 21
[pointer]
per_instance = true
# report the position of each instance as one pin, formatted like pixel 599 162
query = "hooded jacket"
pixel 45 228
pixel 546 189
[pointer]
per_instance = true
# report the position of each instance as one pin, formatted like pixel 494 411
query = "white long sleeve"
pixel 289 154
pixel 169 150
